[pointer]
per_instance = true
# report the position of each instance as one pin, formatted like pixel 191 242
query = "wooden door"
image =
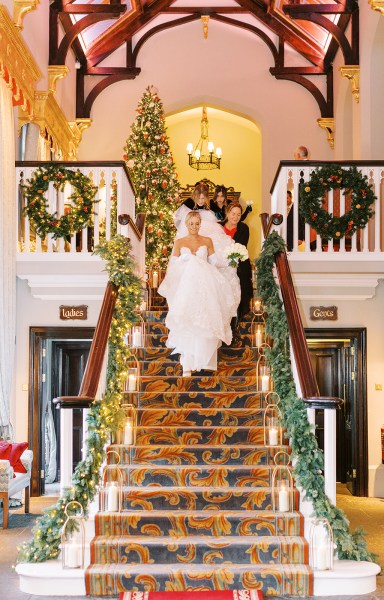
pixel 338 358
pixel 57 360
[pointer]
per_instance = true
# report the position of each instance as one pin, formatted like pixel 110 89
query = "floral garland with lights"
pixel 78 214
pixel 333 177
pixel 307 457
pixel 105 415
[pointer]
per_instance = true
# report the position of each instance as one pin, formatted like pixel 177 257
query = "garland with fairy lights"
pixel 78 214
pixel 105 415
pixel 307 457
pixel 333 177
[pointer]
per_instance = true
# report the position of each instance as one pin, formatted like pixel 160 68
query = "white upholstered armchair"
pixel 10 485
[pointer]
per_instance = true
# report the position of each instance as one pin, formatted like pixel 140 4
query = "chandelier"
pixel 203 156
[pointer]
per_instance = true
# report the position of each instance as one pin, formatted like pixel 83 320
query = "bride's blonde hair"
pixel 190 215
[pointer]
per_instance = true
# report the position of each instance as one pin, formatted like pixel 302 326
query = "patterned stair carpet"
pixel 197 505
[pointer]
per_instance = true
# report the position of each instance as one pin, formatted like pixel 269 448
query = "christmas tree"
pixel 151 166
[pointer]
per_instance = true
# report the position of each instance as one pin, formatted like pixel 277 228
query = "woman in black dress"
pixel 239 232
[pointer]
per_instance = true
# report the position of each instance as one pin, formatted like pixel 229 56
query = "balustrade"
pixel 368 241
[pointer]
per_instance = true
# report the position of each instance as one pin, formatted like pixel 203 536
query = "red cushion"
pixel 5 450
pixel 16 451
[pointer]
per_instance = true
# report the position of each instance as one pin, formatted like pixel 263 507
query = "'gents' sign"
pixel 323 313
pixel 73 312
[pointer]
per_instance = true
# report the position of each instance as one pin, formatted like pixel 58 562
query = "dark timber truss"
pixel 305 27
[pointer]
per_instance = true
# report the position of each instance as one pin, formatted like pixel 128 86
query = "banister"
pixel 94 364
pixel 309 388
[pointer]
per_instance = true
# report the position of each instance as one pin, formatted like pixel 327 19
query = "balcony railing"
pixel 115 196
pixel 367 242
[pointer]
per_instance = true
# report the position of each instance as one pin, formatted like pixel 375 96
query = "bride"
pixel 210 228
pixel 201 301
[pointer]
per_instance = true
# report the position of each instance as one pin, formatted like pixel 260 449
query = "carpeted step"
pixel 209 523
pixel 159 340
pixel 203 399
pixel 196 454
pixel 159 327
pixel 199 550
pixel 198 498
pixel 197 475
pixel 275 580
pixel 199 435
pixel 225 353
pixel 193 384
pixel 169 368
pixel 184 417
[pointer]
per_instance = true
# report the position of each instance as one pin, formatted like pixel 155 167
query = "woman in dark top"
pixel 239 232
pixel 220 200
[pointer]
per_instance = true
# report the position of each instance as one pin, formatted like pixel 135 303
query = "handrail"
pixel 90 381
pixel 309 388
pixel 93 368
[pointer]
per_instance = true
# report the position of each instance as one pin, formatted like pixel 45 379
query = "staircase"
pixel 197 509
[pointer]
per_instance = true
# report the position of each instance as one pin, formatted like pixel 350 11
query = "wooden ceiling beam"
pixel 207 10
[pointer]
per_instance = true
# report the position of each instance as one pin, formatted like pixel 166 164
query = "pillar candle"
pixel 136 338
pixel 321 557
pixel 273 437
pixel 155 279
pixel 112 498
pixel 132 381
pixel 72 555
pixel 128 433
pixel 283 499
pixel 259 338
pixel 265 383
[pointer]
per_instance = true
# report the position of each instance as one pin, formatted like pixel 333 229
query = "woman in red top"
pixel 239 232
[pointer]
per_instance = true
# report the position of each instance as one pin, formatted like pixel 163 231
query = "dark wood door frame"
pixel 360 432
pixel 38 337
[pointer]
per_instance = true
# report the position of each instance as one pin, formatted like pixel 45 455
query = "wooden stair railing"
pixel 308 384
pixel 91 377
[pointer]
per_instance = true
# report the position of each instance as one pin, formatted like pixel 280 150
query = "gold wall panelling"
pixel 17 65
pixel 21 8
pixel 352 72
pixel 377 5
pixel 49 117
pixel 328 124
pixel 56 72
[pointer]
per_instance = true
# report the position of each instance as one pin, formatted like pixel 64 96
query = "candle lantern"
pixel 131 382
pixel 264 382
pixel 154 278
pixel 111 492
pixel 258 334
pixel 73 537
pixel 321 545
pixel 273 431
pixel 282 484
pixel 135 337
pixel 128 433
pixel 257 306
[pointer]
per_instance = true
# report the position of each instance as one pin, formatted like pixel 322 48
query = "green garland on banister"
pixel 105 415
pixel 307 457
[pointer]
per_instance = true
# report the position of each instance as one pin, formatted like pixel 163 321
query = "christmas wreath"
pixel 77 215
pixel 332 177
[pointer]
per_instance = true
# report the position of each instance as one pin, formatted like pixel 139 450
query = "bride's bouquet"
pixel 235 253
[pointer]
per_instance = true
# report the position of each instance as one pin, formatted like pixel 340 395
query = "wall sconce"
pixel 321 545
pixel 111 491
pixel 73 538
pixel 282 484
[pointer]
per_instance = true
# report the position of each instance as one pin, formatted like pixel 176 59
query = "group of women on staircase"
pixel 205 295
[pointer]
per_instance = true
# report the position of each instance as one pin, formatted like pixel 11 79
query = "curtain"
pixel 7 251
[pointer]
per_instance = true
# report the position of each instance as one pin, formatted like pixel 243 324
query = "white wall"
pixel 32 312
pixel 369 314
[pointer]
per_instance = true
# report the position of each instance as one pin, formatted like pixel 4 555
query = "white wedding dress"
pixel 201 304
pixel 210 228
